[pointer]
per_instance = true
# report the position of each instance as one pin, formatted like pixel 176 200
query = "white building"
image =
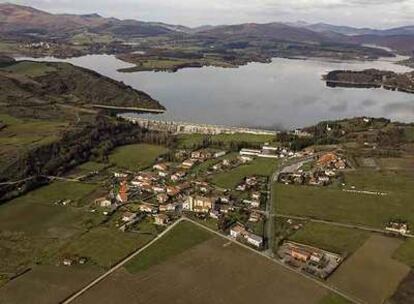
pixel 254 240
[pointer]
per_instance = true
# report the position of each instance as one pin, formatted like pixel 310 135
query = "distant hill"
pixel 18 21
pixel 24 20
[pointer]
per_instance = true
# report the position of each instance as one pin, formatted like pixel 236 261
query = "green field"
pixel 371 274
pixel 181 238
pixel 333 299
pixel 136 157
pixel 331 203
pixel 32 227
pixel 194 140
pixel 30 68
pixel 339 240
pixel 405 253
pixel 204 166
pixel 230 179
pixel 105 246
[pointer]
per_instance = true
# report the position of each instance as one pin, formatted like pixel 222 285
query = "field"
pixel 105 246
pixel 30 68
pixel 32 227
pixel 259 166
pixel 370 273
pixel 24 134
pixel 405 253
pixel 46 284
pixel 331 203
pixel 339 240
pixel 194 140
pixel 333 299
pixel 176 241
pixel 211 271
pixel 136 157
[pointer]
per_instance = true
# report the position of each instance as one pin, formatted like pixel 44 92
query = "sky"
pixel 360 13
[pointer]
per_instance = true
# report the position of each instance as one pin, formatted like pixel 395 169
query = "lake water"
pixel 283 94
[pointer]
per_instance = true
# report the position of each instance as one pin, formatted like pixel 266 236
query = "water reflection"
pixel 285 93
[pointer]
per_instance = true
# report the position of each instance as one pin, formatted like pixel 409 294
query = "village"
pixel 169 190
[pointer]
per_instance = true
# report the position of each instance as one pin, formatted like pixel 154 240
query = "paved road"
pixel 119 265
pixel 271 199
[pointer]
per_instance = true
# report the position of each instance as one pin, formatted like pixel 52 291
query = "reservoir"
pixel 286 93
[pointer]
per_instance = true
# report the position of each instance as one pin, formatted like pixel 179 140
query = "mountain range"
pixel 23 21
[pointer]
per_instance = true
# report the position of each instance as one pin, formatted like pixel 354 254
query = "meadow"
pixel 259 166
pixel 136 157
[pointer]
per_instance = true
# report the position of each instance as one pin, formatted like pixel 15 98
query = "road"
pixel 338 224
pixel 333 289
pixel 270 214
pixel 231 240
pixel 119 265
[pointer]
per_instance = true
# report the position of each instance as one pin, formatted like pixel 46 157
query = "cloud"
pixel 199 12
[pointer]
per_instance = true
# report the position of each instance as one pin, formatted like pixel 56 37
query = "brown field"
pixel 371 274
pixel 211 272
pixel 46 284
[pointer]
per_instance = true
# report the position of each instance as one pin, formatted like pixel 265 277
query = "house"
pixel 161 219
pixel 254 217
pixel 398 227
pixel 162 173
pixel 128 216
pixel 214 214
pixel 122 195
pixel 160 167
pixel 158 188
pixel 103 202
pixel 177 176
pixel 198 203
pixel 67 262
pixel 201 154
pixel 251 181
pixel 173 191
pixel 250 152
pixel 245 159
pixel 237 231
pixel 256 196
pixel 252 203
pixel 168 207
pixel 120 175
pixel 254 240
pixel 226 162
pixel 188 164
pixel 300 254
pixel 241 187
pixel 148 208
pixel 340 164
pixel 162 198
pixel 317 257
pixel 219 154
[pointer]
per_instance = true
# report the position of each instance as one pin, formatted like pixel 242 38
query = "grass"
pixel 181 238
pixel 405 253
pixel 105 246
pixel 230 179
pixel 30 68
pixel 32 227
pixel 24 134
pixel 331 203
pixel 136 157
pixel 371 274
pixel 194 140
pixel 333 298
pixel 334 239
